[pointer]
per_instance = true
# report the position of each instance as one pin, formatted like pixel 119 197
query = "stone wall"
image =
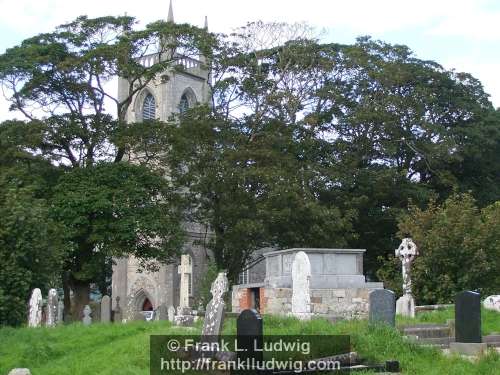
pixel 339 303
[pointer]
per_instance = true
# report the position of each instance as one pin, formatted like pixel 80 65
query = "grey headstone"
pixel 87 319
pixel 19 371
pixel 214 315
pixel 117 312
pixel 162 312
pixel 35 308
pixel 52 306
pixel 468 317
pixel 60 312
pixel 301 278
pixel 250 336
pixel 105 309
pixel 382 307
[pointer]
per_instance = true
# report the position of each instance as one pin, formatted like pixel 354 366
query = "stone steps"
pixel 444 342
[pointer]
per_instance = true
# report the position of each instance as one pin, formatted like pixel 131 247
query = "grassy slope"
pixel 124 349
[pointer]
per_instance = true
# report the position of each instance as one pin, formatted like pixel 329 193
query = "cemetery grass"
pixel 124 348
pixel 490 319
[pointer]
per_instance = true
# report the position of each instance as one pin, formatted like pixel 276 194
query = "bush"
pixel 459 247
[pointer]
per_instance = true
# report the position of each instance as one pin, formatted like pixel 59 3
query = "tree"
pixel 60 81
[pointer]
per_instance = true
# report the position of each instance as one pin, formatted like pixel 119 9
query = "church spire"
pixel 206 23
pixel 170 13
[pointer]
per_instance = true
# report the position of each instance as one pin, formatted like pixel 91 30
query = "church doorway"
pixel 147 305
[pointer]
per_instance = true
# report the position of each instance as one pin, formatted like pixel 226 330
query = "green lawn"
pixel 490 319
pixel 124 349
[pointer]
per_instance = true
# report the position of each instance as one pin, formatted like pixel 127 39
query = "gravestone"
pixel 250 336
pixel 117 312
pixel 19 371
pixel 87 319
pixel 468 317
pixel 185 270
pixel 301 276
pixel 492 303
pixel 35 308
pixel 406 252
pixel 162 312
pixel 382 307
pixel 171 313
pixel 214 314
pixel 60 312
pixel 105 309
pixel 468 325
pixel 52 306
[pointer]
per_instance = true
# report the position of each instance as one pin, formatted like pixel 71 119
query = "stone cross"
pixel 52 306
pixel 87 319
pixel 406 252
pixel 214 315
pixel 35 308
pixel 301 277
pixel 105 309
pixel 382 307
pixel 185 270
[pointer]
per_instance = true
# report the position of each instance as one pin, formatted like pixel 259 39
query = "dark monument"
pixel 250 337
pixel 468 317
pixel 382 307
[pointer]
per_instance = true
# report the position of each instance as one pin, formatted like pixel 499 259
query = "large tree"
pixel 62 83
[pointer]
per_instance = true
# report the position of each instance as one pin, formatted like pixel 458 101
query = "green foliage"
pixel 204 294
pixel 459 249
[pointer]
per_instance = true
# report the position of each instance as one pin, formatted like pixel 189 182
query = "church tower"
pixel 170 93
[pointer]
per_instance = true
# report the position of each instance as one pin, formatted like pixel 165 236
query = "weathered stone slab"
pixel 468 317
pixel 52 306
pixel 171 313
pixel 20 371
pixel 105 309
pixel 35 308
pixel 382 307
pixel 301 277
pixel 405 306
pixel 214 315
pixel 60 312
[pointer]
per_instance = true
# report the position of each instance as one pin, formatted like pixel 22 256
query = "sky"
pixel 459 34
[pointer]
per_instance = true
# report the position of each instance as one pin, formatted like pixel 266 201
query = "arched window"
pixel 149 108
pixel 184 104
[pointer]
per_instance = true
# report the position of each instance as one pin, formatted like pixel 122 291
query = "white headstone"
pixel 301 277
pixel 52 305
pixel 171 313
pixel 87 319
pixel 185 270
pixel 406 252
pixel 35 308
pixel 492 303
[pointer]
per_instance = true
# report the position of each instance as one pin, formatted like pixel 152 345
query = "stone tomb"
pixel 382 307
pixel 338 288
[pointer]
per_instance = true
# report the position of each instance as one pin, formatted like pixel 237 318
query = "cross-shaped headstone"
pixel 406 252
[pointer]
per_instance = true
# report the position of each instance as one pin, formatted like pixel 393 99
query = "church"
pixel 142 292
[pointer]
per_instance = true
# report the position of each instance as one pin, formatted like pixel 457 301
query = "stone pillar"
pixel 52 306
pixel 185 270
pixel 301 277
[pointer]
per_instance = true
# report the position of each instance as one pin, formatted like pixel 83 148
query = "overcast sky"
pixel 459 34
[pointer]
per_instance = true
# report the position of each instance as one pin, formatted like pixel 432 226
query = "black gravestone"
pixel 250 337
pixel 468 317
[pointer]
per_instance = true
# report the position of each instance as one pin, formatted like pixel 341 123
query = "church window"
pixel 149 108
pixel 184 104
